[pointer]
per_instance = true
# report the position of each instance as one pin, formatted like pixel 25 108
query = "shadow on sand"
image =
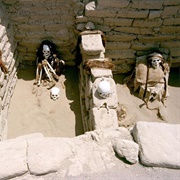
pixel 72 93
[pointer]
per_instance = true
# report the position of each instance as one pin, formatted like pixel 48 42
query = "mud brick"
pixel 99 72
pixel 103 118
pixel 92 44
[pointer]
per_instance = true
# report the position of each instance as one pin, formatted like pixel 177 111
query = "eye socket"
pixel 44 51
pixel 156 60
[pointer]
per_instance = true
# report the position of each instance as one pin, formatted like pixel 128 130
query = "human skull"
pixel 155 62
pixel 104 89
pixel 46 51
pixel 54 93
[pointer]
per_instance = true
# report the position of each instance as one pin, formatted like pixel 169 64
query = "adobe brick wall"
pixel 7 81
pixel 131 27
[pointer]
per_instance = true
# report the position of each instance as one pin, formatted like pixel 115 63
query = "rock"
pixel 159 143
pixel 92 44
pixel 89 26
pixel 46 155
pixel 13 160
pixel 127 149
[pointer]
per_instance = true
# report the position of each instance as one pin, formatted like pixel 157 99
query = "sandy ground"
pixel 36 112
pixel 31 112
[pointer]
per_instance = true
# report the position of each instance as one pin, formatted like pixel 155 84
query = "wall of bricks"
pixel 7 81
pixel 131 27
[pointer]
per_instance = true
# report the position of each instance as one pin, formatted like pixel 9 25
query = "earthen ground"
pixel 32 110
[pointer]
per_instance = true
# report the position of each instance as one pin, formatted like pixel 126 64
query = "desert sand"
pixel 32 110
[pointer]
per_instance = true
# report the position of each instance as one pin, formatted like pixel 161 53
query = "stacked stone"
pixel 35 21
pixel 97 112
pixel 133 27
pixel 7 81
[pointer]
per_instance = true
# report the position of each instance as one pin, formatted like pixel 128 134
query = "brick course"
pixel 126 22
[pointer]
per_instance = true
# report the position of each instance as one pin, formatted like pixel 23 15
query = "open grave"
pixel 32 110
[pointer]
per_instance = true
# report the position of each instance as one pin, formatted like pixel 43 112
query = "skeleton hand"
pixel 44 62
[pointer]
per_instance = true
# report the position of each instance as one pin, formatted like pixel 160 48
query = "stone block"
pixel 171 21
pixel 13 160
pixel 171 44
pixel 90 6
pixel 46 155
pixel 87 57
pixel 176 61
pixel 159 143
pixel 2 31
pixel 147 23
pixel 113 3
pixel 171 2
pixel 148 4
pixel 126 13
pixel 100 13
pixel 122 54
pixel 92 44
pixel 142 46
pixel 117 22
pixel 111 101
pixel 10 2
pixel 121 37
pixel 103 27
pixel 175 51
pixel 155 14
pixel 127 149
pixel 170 29
pixel 103 118
pixel 170 10
pixel 99 72
pixel 118 45
pixel 160 38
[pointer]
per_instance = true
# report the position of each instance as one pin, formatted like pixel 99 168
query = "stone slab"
pixel 92 44
pixel 159 143
pixel 102 118
pixel 46 155
pixel 100 72
pixel 13 160
pixel 127 149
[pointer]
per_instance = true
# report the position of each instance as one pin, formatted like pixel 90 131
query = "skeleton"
pixel 150 78
pixel 48 62
pixel 54 93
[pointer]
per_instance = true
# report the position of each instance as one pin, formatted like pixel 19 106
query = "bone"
pixel 40 76
pixel 51 68
pixel 47 72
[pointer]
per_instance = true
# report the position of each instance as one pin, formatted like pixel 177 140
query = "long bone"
pixel 51 68
pixel 40 76
pixel 47 72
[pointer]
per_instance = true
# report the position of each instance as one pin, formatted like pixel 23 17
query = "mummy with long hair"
pixel 48 62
